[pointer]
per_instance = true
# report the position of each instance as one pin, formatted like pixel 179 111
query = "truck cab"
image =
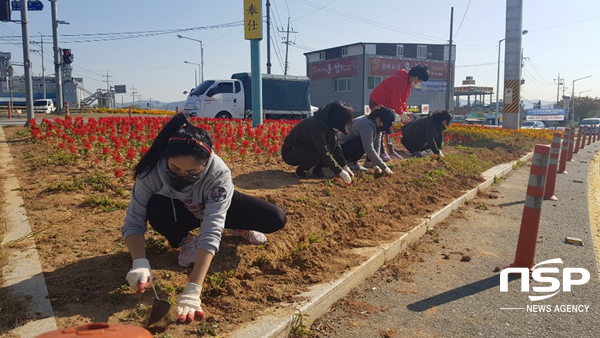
pixel 216 99
pixel 284 97
pixel 45 106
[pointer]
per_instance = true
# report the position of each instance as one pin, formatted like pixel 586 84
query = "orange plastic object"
pixel 99 330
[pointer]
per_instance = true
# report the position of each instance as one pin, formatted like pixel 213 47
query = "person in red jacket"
pixel 393 93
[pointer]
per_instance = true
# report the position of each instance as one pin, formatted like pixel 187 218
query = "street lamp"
pixel 197 64
pixel 201 56
pixel 498 76
pixel 573 97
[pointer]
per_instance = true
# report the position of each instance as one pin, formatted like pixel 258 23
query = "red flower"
pixel 119 173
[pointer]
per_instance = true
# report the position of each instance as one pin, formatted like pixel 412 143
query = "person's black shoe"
pixel 300 173
pixel 318 173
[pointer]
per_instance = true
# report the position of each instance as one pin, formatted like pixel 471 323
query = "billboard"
pixel 120 89
pixel 545 114
pixel 334 68
pixel 384 66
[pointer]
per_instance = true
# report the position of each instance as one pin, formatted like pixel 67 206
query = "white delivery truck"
pixel 285 97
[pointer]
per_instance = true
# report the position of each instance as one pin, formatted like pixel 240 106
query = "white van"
pixel 43 106
pixel 592 123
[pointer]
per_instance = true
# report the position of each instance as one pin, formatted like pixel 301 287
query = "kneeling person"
pixel 365 137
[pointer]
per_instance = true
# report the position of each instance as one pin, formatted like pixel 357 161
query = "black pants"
pixel 245 212
pixel 303 158
pixel 353 150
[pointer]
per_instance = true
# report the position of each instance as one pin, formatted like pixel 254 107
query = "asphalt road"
pixel 448 284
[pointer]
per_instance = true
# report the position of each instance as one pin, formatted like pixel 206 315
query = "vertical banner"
pixel 253 19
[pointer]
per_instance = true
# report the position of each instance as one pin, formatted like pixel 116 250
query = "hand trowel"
pixel 160 308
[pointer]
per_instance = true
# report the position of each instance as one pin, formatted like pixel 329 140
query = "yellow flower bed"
pixel 122 111
pixel 471 134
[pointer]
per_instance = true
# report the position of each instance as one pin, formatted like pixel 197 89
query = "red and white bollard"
pixel 571 144
pixel 591 133
pixel 562 166
pixel 530 222
pixel 577 142
pixel 552 168
pixel 584 134
pixel 67 109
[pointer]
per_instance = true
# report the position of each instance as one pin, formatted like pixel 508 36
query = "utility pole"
pixel 449 70
pixel 108 97
pixel 26 62
pixel 43 68
pixel 57 58
pixel 268 37
pixel 287 45
pixel 133 92
pixel 559 83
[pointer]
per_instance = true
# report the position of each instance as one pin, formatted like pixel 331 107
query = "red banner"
pixel 334 68
pixel 386 66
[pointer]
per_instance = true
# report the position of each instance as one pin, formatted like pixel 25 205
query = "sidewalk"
pixel 429 292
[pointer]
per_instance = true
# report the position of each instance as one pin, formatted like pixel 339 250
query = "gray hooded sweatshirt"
pixel 366 129
pixel 208 199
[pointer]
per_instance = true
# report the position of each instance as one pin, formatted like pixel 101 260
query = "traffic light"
pixel 67 56
pixel 4 10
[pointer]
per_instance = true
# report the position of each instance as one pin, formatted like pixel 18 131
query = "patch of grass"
pixel 206 328
pixel 428 177
pixel 300 199
pixel 517 164
pixel 214 282
pixel 496 180
pixel 262 260
pixel 481 206
pixel 313 238
pixel 105 203
pixel 96 182
pixel 59 158
pixel 299 328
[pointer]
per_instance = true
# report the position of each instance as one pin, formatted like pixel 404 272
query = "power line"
pixel 463 19
pixel 373 23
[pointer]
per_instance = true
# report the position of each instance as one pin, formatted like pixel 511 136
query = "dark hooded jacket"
pixel 423 133
pixel 316 133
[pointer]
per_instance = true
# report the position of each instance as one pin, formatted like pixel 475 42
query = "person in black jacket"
pixel 426 133
pixel 314 142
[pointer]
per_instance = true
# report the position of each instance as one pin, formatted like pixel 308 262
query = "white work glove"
pixel 405 118
pixel 388 172
pixel 377 170
pixel 140 275
pixel 189 305
pixel 347 169
pixel 345 177
pixel 440 154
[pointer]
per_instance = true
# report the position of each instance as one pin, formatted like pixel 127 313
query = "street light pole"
pixel 498 82
pixel 573 97
pixel 201 55
pixel 199 68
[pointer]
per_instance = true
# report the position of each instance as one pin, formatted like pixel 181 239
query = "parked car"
pixel 459 119
pixel 533 125
pixel 593 122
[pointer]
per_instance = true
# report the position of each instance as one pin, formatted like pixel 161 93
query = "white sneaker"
pixel 252 236
pixel 357 168
pixel 187 251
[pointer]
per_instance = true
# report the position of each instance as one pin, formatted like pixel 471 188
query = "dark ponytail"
pixel 177 138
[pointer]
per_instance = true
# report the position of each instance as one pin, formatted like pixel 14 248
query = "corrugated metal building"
pixel 350 73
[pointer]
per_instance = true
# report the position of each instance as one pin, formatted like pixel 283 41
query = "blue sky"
pixel 562 39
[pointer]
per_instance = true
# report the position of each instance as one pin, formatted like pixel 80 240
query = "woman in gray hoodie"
pixel 182 185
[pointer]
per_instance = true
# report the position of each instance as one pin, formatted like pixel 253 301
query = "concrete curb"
pixel 23 272
pixel 322 296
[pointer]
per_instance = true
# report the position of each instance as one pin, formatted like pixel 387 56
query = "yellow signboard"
pixel 253 19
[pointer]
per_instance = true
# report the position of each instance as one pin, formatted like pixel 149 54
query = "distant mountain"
pixel 153 105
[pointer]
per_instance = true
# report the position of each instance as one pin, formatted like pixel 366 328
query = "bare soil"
pixel 85 259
